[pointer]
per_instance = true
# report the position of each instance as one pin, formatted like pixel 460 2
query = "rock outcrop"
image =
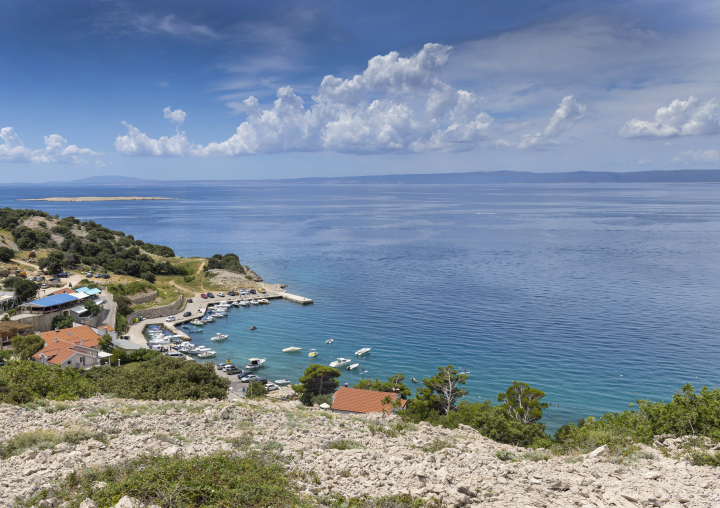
pixel 353 455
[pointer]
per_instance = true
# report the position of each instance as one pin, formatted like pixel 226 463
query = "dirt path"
pixel 198 273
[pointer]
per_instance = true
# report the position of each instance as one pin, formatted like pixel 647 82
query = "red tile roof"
pixel 73 335
pixel 356 400
pixel 58 352
pixel 66 291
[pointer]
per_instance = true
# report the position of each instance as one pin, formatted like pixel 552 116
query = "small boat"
pixel 207 354
pixel 414 380
pixel 219 336
pixel 255 363
pixel 254 302
pixel 264 301
pixel 339 362
pixel 253 327
pixel 281 382
pixel 244 303
pixel 353 366
pixel 329 341
pixel 363 351
pixel 197 322
pixel 313 353
pixel 291 349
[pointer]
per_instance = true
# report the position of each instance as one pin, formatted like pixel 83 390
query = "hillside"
pixel 352 455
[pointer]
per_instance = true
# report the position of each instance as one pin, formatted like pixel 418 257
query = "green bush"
pixel 225 479
pixel 24 381
pixel 62 322
pixel 161 378
pixel 25 346
pixel 255 390
pixel 44 439
pixel 344 444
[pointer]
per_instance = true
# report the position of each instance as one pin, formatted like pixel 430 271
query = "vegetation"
pixel 6 254
pixel 344 444
pixel 132 288
pixel 44 439
pixel 223 479
pixel 24 289
pixel 25 381
pixel 161 378
pixel 121 357
pixel 523 403
pixel 393 383
pixel 441 393
pixel 255 390
pixel 93 307
pixel 25 346
pixel 226 262
pixel 62 322
pixel 318 380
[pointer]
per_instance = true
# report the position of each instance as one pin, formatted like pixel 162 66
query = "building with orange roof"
pixel 354 400
pixel 82 335
pixel 67 354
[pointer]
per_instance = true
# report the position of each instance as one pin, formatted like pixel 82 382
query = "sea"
pixel 597 294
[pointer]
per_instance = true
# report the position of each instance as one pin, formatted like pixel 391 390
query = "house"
pixel 68 354
pixel 82 335
pixel 354 400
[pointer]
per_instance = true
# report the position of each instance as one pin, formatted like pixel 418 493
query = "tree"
pixel 25 346
pixel 148 276
pixel 442 392
pixel 255 389
pixel 6 254
pixel 53 262
pixel 124 305
pixel 523 403
pixel 93 307
pixel 318 380
pixel 106 344
pixel 25 289
pixel 393 383
pixel 62 322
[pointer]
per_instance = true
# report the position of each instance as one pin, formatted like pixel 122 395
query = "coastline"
pixel 97 198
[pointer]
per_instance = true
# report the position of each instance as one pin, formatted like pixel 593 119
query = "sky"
pixel 181 89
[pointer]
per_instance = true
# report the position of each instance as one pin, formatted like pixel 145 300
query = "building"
pixel 10 329
pixel 354 400
pixel 68 354
pixel 82 334
pixel 53 303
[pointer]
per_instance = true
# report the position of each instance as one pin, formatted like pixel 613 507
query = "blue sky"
pixel 245 90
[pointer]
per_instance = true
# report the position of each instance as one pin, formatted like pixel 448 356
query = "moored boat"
pixel 255 363
pixel 207 354
pixel 313 353
pixel 219 336
pixel 353 366
pixel 339 362
pixel 363 351
pixel 329 341
pixel 291 349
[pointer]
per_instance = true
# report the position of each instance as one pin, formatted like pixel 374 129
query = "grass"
pixel 45 439
pixel 393 430
pixel 438 444
pixel 506 456
pixel 222 479
pixel 344 444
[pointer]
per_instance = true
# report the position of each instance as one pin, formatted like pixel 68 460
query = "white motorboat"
pixel 207 354
pixel 329 341
pixel 210 319
pixel 353 366
pixel 264 301
pixel 197 322
pixel 291 349
pixel 339 362
pixel 255 363
pixel 281 382
pixel 363 351
pixel 244 303
pixel 219 336
pixel 236 303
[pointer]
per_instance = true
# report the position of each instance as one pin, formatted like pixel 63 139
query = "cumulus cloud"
pixel 177 116
pixel 396 104
pixel 698 156
pixel 56 150
pixel 568 113
pixel 172 25
pixel 680 118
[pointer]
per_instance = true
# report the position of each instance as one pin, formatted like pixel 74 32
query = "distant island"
pixel 96 198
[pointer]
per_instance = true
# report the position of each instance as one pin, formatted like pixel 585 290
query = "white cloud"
pixel 568 113
pixel 698 156
pixel 56 150
pixel 172 25
pixel 680 118
pixel 396 105
pixel 177 116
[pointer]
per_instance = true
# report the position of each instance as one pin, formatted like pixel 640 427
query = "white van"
pixel 175 354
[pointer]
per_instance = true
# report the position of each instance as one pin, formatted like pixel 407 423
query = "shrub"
pixel 438 444
pixel 506 456
pixel 25 346
pixel 255 390
pixel 44 439
pixel 6 254
pixel 344 444
pixel 61 322
pixel 24 381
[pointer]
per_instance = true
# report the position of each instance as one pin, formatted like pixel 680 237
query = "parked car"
pixel 203 295
pixel 89 274
pixel 210 295
pixel 248 377
pixel 228 366
pixel 98 276
pixel 190 300
pixel 253 292
pixel 221 295
pixel 170 318
pixel 233 371
pixel 106 276
pixel 44 286
pixel 271 387
pixel 187 314
pixel 40 279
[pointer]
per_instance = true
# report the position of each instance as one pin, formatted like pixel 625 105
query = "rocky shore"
pixel 351 454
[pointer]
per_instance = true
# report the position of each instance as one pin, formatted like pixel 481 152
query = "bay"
pixel 598 294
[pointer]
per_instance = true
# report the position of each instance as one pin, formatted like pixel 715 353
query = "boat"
pixel 329 341
pixel 313 353
pixel 244 303
pixel 207 354
pixel 253 327
pixel 255 363
pixel 264 301
pixel 197 322
pixel 219 336
pixel 339 362
pixel 414 380
pixel 363 351
pixel 281 382
pixel 353 366
pixel 291 349
pixel 236 303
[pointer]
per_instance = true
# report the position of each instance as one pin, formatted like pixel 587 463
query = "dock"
pixel 297 299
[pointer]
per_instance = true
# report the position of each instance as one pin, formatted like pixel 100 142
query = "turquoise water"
pixel 597 294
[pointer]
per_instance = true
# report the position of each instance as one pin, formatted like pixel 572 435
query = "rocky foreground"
pixel 384 457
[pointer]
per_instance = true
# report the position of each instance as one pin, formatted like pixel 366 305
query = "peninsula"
pixel 96 198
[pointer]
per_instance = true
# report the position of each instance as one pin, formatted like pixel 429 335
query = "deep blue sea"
pixel 597 294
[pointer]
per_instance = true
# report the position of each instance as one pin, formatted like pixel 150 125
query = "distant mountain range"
pixel 472 178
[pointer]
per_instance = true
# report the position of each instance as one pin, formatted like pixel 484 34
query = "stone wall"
pixel 147 296
pixel 153 312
